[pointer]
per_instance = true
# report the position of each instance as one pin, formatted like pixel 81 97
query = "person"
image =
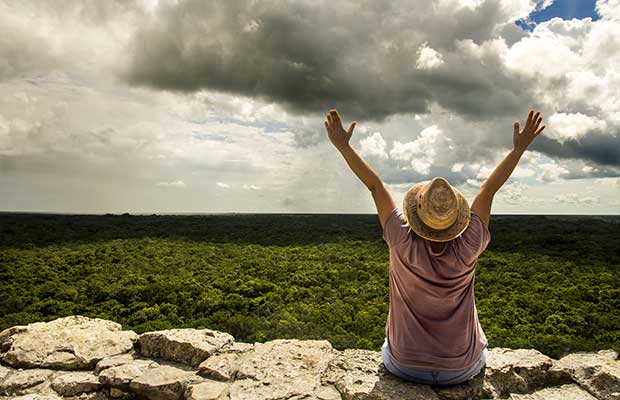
pixel 433 334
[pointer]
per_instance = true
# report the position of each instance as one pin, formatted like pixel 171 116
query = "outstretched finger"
pixel 540 130
pixel 336 118
pixel 516 127
pixel 529 118
pixel 330 120
pixel 537 124
pixel 351 127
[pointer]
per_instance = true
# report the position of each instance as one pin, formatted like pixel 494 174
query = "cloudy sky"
pixel 218 106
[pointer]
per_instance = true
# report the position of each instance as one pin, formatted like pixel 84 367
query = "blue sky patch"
pixel 565 9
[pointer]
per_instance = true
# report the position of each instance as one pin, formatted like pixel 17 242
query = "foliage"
pixel 547 282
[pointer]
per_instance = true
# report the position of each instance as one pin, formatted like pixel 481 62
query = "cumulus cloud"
pixel 457 167
pixel 551 172
pixel 608 9
pixel 422 151
pixel 454 57
pixel 373 145
pixel 572 126
pixel 303 60
pixel 428 58
pixel 235 92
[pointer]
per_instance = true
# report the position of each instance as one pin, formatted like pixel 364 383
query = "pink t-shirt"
pixel 432 321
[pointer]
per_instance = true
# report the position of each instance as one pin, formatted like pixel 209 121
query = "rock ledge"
pixel 89 358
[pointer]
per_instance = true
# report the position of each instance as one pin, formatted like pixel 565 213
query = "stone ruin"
pixel 89 358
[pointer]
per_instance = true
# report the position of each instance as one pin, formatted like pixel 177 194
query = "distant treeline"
pixel 547 282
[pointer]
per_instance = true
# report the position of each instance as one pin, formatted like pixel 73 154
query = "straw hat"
pixel 435 210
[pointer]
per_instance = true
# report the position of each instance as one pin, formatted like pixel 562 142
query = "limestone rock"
pixel 520 370
pixel 564 392
pixel 281 369
pixel 37 396
pixel 221 367
pixel 187 346
pixel 4 372
pixel 75 383
pixel 115 393
pixel 74 342
pixel 102 394
pixel 119 376
pixel 605 383
pixel 240 347
pixel 360 374
pixel 247 389
pixel 476 388
pixel 208 390
pixel 164 382
pixel 327 392
pixel 597 372
pixel 114 361
pixel 20 381
pixel 25 381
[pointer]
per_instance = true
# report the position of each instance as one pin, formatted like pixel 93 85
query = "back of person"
pixel 432 332
pixel 432 322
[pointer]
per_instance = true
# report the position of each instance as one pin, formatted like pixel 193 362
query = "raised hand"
pixel 522 139
pixel 337 135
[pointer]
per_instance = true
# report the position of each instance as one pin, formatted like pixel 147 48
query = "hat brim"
pixel 410 207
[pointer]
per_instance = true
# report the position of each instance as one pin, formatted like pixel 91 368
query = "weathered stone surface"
pixel 605 383
pixel 114 361
pixel 586 360
pixel 115 393
pixel 102 394
pixel 36 396
pixel 187 346
pixel 564 392
pixel 520 370
pixel 281 369
pixel 4 372
pixel 75 383
pixel 119 376
pixel 327 392
pixel 164 382
pixel 74 342
pixel 208 390
pixel 240 347
pixel 248 389
pixel 475 388
pixel 360 374
pixel 597 372
pixel 20 381
pixel 221 367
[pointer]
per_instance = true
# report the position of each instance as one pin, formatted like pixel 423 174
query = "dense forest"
pixel 547 282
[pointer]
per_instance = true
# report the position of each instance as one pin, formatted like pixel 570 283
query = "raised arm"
pixel 521 139
pixel 340 139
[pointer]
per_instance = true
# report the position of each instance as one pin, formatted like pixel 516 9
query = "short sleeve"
pixel 474 240
pixel 396 228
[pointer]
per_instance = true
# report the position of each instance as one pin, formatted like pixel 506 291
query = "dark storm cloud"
pixel 601 147
pixel 359 57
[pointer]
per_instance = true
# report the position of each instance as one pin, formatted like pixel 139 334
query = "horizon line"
pixel 173 213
